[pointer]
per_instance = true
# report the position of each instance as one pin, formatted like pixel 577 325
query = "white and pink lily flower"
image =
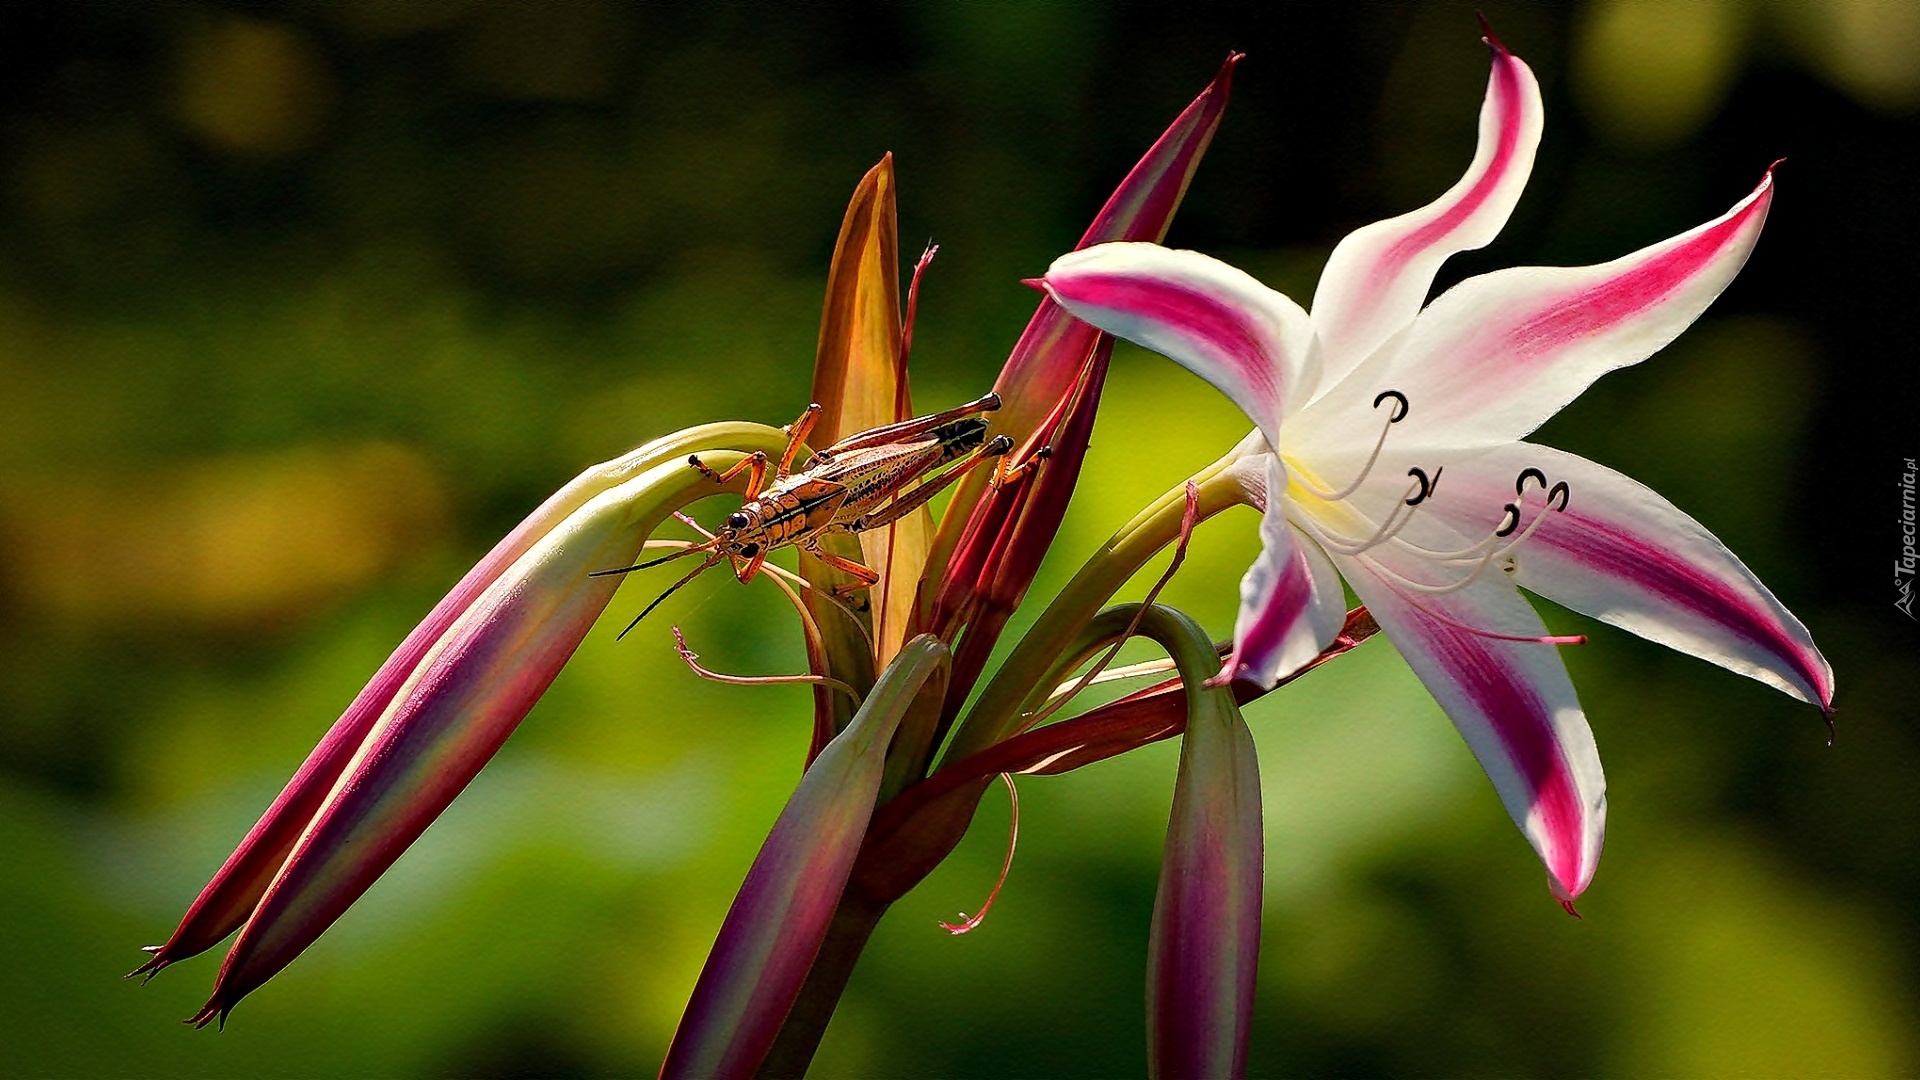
pixel 1399 464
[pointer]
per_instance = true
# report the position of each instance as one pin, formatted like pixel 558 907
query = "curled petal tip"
pixel 1038 284
pixel 1487 35
pixel 1568 905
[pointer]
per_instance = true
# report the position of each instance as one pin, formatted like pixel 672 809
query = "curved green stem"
pixel 996 714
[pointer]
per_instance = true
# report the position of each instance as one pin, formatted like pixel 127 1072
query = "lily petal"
pixel 1252 343
pixel 1495 356
pixel 1623 554
pixel 1291 602
pixel 1377 278
pixel 1511 700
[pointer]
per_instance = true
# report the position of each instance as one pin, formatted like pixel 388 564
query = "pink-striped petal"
pixel 1250 342
pixel 1622 554
pixel 1291 602
pixel 1498 354
pixel 1511 701
pixel 1377 278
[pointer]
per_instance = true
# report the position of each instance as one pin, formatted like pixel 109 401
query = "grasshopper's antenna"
pixel 712 561
pixel 651 563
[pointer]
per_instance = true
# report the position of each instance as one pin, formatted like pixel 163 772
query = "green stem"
pixel 996 714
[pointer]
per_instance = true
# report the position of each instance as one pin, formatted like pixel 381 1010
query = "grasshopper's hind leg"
pixel 913 500
pixel 908 429
pixel 797 433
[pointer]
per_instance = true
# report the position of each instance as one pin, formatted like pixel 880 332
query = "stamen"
pixel 969 922
pixel 1426 486
pixel 1509 522
pixel 1399 413
pixel 1388 529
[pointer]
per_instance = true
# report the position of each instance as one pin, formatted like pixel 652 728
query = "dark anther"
pixel 1426 485
pixel 748 551
pixel 1510 522
pixel 1400 409
pixel 1563 492
pixel 1520 485
pixel 737 520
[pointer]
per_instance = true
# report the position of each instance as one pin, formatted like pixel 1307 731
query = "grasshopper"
pixel 862 482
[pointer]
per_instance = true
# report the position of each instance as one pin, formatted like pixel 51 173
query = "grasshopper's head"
pixel 741 535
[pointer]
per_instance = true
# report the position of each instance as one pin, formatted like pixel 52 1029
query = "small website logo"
pixel 1904 566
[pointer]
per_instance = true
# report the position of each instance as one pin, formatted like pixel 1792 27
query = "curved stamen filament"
pixel 1397 519
pixel 1398 414
pixel 1486 560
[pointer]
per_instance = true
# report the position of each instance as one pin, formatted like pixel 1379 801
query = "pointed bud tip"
pixel 1488 37
pixel 152 966
pixel 1038 284
pixel 1568 905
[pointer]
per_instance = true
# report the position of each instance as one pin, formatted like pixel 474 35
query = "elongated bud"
pixel 469 689
pixel 782 914
pixel 230 897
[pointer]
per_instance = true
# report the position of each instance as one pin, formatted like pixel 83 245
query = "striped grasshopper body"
pixel 862 482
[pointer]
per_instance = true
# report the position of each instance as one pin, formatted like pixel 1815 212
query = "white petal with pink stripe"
pixel 1252 343
pixel 1377 278
pixel 1512 702
pixel 1622 554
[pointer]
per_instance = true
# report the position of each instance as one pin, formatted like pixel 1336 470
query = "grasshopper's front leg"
pixel 868 577
pixel 755 465
pixel 797 433
pixel 1004 474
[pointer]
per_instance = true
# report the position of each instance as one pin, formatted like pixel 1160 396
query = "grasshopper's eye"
pixel 737 521
pixel 748 551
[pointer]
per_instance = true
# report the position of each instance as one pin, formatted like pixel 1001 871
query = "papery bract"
pixel 1397 465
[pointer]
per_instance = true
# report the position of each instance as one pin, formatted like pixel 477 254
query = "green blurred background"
pixel 302 306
